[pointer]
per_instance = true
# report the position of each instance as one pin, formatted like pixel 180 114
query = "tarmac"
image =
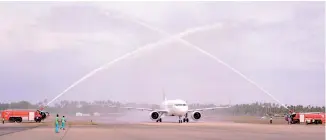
pixel 9 128
pixel 165 131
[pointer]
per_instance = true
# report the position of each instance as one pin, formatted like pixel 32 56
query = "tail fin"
pixel 229 103
pixel 164 97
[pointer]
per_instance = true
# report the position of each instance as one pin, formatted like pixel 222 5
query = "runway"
pixel 164 131
pixel 9 128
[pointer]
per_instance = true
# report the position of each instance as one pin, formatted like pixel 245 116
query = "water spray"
pixel 160 42
pixel 209 55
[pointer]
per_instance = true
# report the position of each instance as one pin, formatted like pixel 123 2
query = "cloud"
pixel 187 14
pixel 273 36
pixel 65 26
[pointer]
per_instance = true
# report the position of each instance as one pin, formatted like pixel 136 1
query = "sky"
pixel 47 46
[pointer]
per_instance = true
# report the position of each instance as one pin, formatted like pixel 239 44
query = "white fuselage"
pixel 175 107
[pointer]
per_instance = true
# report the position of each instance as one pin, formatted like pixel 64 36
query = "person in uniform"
pixel 289 119
pixel 63 122
pixel 271 120
pixel 57 124
pixel 3 120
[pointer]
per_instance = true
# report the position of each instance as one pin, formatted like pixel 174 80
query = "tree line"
pixel 71 107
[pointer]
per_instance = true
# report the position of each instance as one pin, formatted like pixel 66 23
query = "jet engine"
pixel 196 115
pixel 154 115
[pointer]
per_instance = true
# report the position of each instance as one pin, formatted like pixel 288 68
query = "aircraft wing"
pixel 210 108
pixel 142 109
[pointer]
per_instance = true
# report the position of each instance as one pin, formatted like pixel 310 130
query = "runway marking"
pixel 66 131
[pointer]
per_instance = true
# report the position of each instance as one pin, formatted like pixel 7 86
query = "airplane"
pixel 177 108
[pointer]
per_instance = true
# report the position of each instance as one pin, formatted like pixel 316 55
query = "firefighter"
pixel 271 120
pixel 289 119
pixel 63 123
pixel 57 124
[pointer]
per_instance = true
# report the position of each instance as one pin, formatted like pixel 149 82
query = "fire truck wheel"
pixel 19 119
pixel 11 119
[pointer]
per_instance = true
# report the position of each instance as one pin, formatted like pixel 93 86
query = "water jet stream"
pixel 211 56
pixel 171 38
pixel 160 42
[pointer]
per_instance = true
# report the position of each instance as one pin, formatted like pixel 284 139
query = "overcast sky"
pixel 45 47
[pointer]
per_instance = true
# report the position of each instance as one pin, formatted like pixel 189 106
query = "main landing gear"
pixel 185 119
pixel 159 120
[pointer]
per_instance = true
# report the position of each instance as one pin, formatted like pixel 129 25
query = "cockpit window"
pixel 180 105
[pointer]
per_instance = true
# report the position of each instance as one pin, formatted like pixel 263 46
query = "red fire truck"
pixel 19 115
pixel 308 118
pixel 314 118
